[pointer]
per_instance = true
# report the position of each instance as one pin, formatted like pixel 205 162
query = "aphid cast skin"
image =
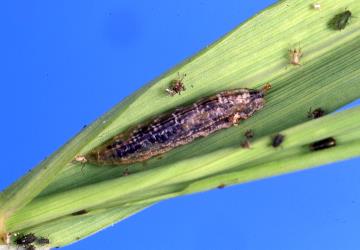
pixel 80 158
pixel 316 6
pixel 340 21
pixel 277 140
pixel 179 127
pixel 316 113
pixel 323 144
pixel 295 56
pixel 176 86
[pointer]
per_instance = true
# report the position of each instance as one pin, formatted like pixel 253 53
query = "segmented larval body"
pixel 180 127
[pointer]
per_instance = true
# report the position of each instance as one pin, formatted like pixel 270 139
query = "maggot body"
pixel 180 127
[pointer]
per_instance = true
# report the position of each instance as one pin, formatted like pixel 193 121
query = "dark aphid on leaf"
pixel 249 134
pixel 176 86
pixel 323 144
pixel 25 239
pixel 316 113
pixel 221 186
pixel 42 241
pixel 179 127
pixel 277 140
pixel 340 21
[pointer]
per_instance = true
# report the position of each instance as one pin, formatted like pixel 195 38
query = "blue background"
pixel 73 60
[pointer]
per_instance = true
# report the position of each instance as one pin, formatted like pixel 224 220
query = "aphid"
pixel 42 241
pixel 277 140
pixel 25 239
pixel 180 127
pixel 126 172
pixel 340 21
pixel 221 186
pixel 249 134
pixel 246 144
pixel 176 86
pixel 80 212
pixel 316 6
pixel 323 144
pixel 316 113
pixel 295 55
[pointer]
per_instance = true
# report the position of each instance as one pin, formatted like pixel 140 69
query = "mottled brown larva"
pixel 42 241
pixel 180 127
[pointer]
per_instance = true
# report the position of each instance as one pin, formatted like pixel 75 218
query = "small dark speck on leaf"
pixel 80 212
